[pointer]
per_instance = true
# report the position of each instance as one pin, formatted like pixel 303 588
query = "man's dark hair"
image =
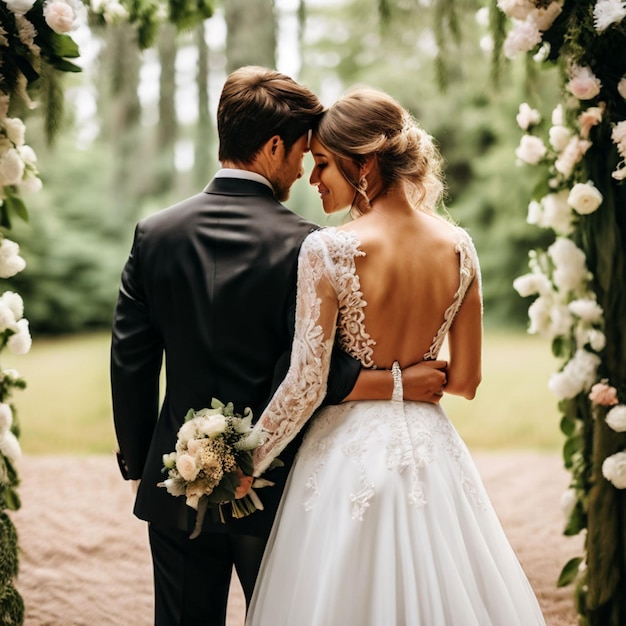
pixel 258 103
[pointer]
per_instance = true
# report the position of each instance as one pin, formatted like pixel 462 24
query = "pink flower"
pixel 583 83
pixel 603 394
pixel 59 16
pixel 589 118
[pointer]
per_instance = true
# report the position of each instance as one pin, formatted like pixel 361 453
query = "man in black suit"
pixel 210 284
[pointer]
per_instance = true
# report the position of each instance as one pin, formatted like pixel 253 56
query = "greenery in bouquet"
pixel 214 447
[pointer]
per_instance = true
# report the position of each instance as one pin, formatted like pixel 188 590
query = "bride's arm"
pixel 421 382
pixel 304 386
pixel 465 345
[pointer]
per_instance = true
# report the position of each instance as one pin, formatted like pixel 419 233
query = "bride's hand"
pixel 424 381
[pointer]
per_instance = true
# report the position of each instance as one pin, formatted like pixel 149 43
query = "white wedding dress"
pixel 384 520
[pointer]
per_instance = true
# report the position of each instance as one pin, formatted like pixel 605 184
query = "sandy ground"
pixel 85 559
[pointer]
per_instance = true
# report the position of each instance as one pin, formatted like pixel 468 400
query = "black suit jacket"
pixel 210 284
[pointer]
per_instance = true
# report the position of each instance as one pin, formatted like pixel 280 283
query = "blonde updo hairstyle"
pixel 367 122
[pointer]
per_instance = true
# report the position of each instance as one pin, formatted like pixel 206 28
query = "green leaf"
pixel 576 522
pixel 64 46
pixel 572 446
pixel 245 463
pixel 190 415
pixel 16 204
pixel 569 572
pixel 13 502
pixel 568 426
pixel 65 66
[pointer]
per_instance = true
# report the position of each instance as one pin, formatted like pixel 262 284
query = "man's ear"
pixel 272 147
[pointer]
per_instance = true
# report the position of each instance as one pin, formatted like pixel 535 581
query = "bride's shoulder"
pixel 332 242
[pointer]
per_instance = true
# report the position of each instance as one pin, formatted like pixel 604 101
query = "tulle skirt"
pixel 385 522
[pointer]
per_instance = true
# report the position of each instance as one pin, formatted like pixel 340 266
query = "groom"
pixel 210 284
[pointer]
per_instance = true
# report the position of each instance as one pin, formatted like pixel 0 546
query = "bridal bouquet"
pixel 213 444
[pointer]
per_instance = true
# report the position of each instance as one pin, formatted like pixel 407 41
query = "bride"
pixel 384 520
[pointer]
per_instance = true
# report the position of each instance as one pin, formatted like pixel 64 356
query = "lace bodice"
pixel 330 303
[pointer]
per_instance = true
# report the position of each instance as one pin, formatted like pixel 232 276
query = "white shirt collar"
pixel 231 172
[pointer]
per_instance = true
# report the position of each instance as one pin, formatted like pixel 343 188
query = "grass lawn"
pixel 66 405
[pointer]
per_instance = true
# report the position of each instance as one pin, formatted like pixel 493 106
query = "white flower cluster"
pixel 13 325
pixel 529 22
pixel 618 135
pixel 9 445
pixel 18 162
pixel 111 10
pixel 565 305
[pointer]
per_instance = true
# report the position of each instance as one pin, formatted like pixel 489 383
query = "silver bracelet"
pixel 398 392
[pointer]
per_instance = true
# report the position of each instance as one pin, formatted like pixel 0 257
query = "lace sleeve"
pixel 304 386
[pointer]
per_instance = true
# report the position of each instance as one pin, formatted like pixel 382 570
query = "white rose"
pixel 19 6
pixel 14 302
pixel 614 469
pixel 6 417
pixel 584 198
pixel 531 149
pixel 568 502
pixel 616 418
pixel 27 155
pixel 527 116
pixel 578 375
pixel 571 155
pixel 32 184
pixel 15 130
pixel 530 284
pixel 583 83
pixel 559 137
pixel 561 320
pixel 186 432
pixel 565 252
pixel 10 446
pixel 588 310
pixel 21 342
pixel 7 318
pixel 59 16
pixel 11 262
pixel 535 213
pixel 186 466
pixel 597 339
pixel 563 385
pixel 213 426
pixel 11 168
pixel 557 214
pixel 558 117
pixel 523 37
pixel 539 316
pixel 193 445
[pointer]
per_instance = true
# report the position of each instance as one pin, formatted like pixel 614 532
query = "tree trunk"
pixel 251 33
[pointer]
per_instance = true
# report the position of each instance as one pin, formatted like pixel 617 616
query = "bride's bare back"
pixel 409 277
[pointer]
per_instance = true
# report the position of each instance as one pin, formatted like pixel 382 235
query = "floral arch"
pixel 577 284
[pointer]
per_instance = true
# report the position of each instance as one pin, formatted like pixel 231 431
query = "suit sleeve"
pixel 136 358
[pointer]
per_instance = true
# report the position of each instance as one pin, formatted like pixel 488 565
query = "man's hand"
pixel 424 381
pixel 245 482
